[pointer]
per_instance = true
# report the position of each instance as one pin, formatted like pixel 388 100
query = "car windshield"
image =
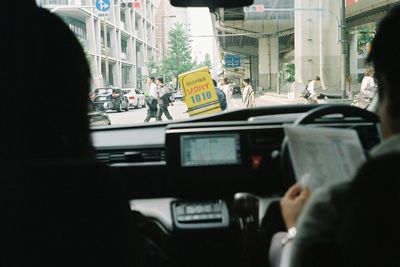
pixel 197 63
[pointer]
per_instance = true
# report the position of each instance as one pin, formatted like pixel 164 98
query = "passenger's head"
pixel 47 79
pixel 225 80
pixel 246 81
pixel 150 80
pixel 385 57
pixel 369 72
pixel 317 78
pixel 159 81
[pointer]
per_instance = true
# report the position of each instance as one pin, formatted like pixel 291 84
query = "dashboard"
pixel 188 172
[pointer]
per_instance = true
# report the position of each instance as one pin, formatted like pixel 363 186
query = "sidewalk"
pixel 283 99
pixel 280 98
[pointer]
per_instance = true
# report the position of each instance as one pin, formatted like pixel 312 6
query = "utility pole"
pixel 106 52
pixel 163 34
pixel 344 48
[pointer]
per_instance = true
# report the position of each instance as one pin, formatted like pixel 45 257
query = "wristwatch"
pixel 290 235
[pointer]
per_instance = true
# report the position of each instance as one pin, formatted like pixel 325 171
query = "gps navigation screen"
pixel 210 150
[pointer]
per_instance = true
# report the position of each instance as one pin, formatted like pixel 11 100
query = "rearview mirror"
pixel 211 3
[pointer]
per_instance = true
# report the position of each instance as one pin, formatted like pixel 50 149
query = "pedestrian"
pixel 227 89
pixel 164 100
pixel 221 96
pixel 368 87
pixel 314 90
pixel 151 100
pixel 248 98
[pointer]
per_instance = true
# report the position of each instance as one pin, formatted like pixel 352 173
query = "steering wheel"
pixel 311 117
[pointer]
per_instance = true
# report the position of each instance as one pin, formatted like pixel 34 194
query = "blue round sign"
pixel 103 5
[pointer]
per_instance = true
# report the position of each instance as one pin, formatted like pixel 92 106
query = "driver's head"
pixel 385 57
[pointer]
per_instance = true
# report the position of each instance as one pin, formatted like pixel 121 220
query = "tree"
pixel 206 62
pixel 179 55
pixel 287 73
pixel 154 68
pixel 365 36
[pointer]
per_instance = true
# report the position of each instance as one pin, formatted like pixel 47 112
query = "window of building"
pixel 108 39
pixel 126 81
pixel 77 26
pixel 54 2
pixel 123 20
pixel 124 49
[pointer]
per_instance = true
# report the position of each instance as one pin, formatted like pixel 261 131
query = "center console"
pixel 200 215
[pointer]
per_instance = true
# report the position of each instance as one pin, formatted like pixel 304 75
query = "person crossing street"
pixel 164 100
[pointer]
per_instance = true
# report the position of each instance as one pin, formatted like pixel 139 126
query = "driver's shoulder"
pixel 329 198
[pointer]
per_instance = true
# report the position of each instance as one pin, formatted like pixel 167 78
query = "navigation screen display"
pixel 210 150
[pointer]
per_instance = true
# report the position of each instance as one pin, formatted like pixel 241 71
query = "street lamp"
pixel 162 34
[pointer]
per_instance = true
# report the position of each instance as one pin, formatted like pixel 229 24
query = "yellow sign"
pixel 199 92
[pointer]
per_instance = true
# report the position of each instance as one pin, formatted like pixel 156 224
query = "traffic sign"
pixel 103 7
pixel 232 61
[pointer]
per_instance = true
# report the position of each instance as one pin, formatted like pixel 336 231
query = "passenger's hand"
pixel 292 204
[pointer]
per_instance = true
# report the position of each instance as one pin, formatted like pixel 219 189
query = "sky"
pixel 200 21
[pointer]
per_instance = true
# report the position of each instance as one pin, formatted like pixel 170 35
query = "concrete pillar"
pixel 353 56
pixel 247 70
pixel 317 50
pixel 254 71
pixel 268 60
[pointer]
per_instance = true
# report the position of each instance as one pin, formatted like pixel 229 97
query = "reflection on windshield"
pixel 283 52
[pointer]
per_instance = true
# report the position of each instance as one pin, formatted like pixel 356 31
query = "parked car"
pixel 135 98
pixel 110 99
pixel 97 117
pixel 177 95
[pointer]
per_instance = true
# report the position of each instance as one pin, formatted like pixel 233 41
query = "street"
pixel 178 109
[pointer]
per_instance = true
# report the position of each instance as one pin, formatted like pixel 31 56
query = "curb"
pixel 283 97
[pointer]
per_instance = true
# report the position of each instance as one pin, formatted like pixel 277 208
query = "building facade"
pixel 130 34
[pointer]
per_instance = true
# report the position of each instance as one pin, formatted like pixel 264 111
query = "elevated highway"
pixel 266 40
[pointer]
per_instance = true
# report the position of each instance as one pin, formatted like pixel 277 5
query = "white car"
pixel 177 95
pixel 135 97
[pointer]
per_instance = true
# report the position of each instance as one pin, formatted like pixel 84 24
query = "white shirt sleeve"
pixel 311 89
pixel 153 90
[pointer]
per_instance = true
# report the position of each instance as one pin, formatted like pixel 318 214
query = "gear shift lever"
pixel 245 206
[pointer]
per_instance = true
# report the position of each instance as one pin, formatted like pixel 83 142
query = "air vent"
pixel 137 156
pixel 269 138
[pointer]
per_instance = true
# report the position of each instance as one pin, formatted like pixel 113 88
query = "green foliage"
pixel 155 69
pixel 365 35
pixel 206 62
pixel 287 73
pixel 179 55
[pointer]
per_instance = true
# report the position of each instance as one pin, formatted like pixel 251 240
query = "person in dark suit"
pixel 164 100
pixel 352 223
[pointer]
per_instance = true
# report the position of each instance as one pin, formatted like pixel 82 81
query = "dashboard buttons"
pixel 193 215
